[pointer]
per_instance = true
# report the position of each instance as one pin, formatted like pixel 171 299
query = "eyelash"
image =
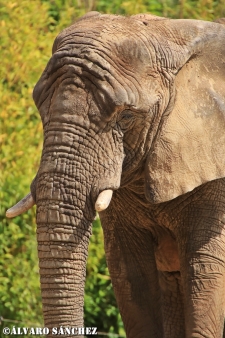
pixel 126 115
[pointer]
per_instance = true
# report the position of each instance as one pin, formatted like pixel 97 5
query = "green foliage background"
pixel 28 29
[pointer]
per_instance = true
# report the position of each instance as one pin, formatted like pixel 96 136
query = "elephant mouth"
pixel 26 203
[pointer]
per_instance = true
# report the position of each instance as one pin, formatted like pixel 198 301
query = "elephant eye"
pixel 126 115
pixel 125 119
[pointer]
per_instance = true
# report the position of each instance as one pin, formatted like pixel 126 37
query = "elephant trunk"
pixel 69 185
pixel 63 233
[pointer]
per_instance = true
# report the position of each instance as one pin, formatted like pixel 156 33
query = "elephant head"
pixel 133 102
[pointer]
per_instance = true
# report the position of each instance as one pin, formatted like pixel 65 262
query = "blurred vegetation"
pixel 28 29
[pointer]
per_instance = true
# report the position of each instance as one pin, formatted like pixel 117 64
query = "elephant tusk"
pixel 103 200
pixel 23 205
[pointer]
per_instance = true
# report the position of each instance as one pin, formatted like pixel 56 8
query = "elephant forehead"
pixel 106 59
pixel 111 42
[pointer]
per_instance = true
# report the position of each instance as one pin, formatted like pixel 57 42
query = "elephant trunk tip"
pixel 103 200
pixel 23 205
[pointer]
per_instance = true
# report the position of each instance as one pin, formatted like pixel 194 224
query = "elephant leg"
pixel 172 304
pixel 201 238
pixel 130 258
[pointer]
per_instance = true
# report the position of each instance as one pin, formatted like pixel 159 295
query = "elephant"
pixel 133 113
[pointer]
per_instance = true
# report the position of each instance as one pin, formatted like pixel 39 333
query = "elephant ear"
pixel 189 148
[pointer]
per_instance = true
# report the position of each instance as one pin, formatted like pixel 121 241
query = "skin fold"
pixel 135 105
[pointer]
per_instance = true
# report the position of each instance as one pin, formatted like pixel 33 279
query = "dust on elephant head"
pixel 131 106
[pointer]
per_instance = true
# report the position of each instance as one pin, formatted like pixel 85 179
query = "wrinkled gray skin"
pixel 136 105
